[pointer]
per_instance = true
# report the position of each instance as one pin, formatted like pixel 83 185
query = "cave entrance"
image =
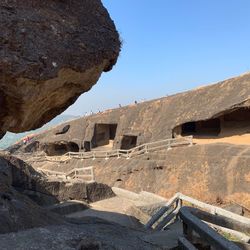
pixel 236 122
pixel 87 146
pixel 189 128
pixel 210 127
pixel 128 142
pixel 61 148
pixel 104 135
pixel 231 126
pixel 239 116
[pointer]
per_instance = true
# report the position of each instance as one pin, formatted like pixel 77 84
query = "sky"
pixel 170 46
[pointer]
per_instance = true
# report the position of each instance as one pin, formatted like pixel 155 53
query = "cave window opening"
pixel 128 142
pixel 61 148
pixel 72 147
pixel 188 128
pixel 104 134
pixel 235 122
pixel 87 146
pixel 63 130
pixel 239 115
pixel 211 127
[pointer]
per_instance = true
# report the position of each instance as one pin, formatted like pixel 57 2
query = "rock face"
pixel 64 191
pixel 215 107
pixel 24 192
pixel 17 211
pixel 215 169
pixel 216 173
pixel 50 53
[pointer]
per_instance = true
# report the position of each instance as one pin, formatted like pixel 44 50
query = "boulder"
pixel 64 191
pixel 17 211
pixel 50 53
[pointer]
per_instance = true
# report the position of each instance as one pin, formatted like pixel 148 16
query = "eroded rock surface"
pixel 215 170
pixel 17 211
pixel 50 53
pixel 92 233
pixel 23 191
pixel 63 191
pixel 214 173
pixel 219 112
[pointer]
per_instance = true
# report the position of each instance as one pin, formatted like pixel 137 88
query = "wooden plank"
pixel 215 210
pixel 222 221
pixel 172 214
pixel 205 232
pixel 243 237
pixel 162 211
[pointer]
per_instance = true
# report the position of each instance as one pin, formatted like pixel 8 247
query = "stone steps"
pixel 115 209
pixel 127 208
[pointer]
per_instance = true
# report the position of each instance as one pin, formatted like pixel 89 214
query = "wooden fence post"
pixel 128 157
pixel 106 158
pixel 191 141
pixel 169 145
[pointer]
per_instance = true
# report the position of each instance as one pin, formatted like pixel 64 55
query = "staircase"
pixel 203 220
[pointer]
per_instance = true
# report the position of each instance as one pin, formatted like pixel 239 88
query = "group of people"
pixel 26 140
pixel 99 112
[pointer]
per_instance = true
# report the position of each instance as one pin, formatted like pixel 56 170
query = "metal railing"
pixel 74 174
pixel 192 219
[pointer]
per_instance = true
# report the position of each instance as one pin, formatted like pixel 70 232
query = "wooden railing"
pixel 118 153
pixel 85 174
pixel 193 218
pixel 139 150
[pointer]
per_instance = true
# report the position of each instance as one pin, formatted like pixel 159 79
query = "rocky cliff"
pixel 210 171
pixel 215 173
pixel 216 110
pixel 50 53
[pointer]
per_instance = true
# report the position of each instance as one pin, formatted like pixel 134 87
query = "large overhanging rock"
pixel 51 51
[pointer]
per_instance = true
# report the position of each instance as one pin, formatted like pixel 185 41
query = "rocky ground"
pixel 26 222
pixel 39 210
pixel 90 234
pixel 24 192
pixel 17 211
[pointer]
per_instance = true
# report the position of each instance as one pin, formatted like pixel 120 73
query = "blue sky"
pixel 171 46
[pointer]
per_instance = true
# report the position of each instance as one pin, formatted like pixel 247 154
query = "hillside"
pixel 11 138
pixel 205 113
pixel 218 123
